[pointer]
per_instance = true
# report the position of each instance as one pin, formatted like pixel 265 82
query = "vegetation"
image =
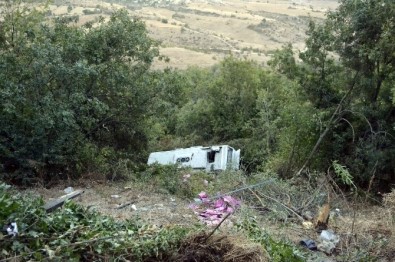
pixel 74 233
pixel 73 99
pixel 82 99
pixel 278 250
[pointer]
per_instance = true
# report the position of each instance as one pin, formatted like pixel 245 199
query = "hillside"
pixel 203 32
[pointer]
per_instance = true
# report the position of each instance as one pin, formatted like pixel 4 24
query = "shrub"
pixel 74 233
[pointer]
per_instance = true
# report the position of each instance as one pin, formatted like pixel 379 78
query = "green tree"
pixel 348 73
pixel 70 95
pixel 233 98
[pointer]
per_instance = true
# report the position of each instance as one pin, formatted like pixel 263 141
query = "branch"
pixel 220 223
pixel 286 207
pixel 332 121
pixel 352 128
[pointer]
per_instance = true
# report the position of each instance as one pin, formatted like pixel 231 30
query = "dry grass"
pixel 389 201
pixel 213 29
pixel 220 248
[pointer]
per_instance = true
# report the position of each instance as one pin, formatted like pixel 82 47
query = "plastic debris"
pixel 68 190
pixel 309 243
pixel 329 235
pixel 212 212
pixel 12 229
pixel 186 177
pixel 134 207
pixel 328 241
pixel 115 196
pixel 307 225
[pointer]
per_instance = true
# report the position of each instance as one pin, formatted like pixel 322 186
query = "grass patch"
pixel 187 183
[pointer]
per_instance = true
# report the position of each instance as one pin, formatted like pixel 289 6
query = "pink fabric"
pixel 212 212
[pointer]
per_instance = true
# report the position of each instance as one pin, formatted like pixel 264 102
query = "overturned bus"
pixel 210 158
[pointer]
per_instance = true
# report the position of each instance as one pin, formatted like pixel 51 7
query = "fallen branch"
pixel 285 206
pixel 220 223
pixel 54 204
pixel 256 195
pixel 331 122
pixel 125 205
pixel 245 188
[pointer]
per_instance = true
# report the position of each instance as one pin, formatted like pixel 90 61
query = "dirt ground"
pixel 126 201
pixel 362 228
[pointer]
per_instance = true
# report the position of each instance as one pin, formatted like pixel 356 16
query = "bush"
pixel 75 233
pixel 72 97
pixel 279 250
pixel 187 183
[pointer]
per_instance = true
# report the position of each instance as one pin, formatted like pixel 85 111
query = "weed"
pixel 187 183
pixel 279 250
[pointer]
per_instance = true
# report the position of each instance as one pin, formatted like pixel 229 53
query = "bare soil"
pixel 126 201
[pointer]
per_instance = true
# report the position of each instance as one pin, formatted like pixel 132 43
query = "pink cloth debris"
pixel 186 177
pixel 219 203
pixel 212 212
pixel 203 195
pixel 232 201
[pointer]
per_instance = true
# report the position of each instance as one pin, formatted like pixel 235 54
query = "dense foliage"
pixel 348 75
pixel 72 98
pixel 74 233
pixel 83 99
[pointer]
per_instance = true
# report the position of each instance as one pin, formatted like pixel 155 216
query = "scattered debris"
pixel 308 215
pixel 125 205
pixel 54 204
pixel 68 190
pixel 328 241
pixel 307 225
pixel 186 177
pixel 212 212
pixel 323 218
pixel 12 229
pixel 309 243
pixel 115 196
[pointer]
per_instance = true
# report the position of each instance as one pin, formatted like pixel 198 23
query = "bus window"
pixel 211 156
pixel 230 155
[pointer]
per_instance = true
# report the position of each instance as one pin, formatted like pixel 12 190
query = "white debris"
pixel 68 190
pixel 12 229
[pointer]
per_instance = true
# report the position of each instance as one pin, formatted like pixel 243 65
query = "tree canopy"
pixel 70 95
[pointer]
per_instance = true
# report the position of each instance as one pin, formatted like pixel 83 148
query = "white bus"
pixel 210 158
